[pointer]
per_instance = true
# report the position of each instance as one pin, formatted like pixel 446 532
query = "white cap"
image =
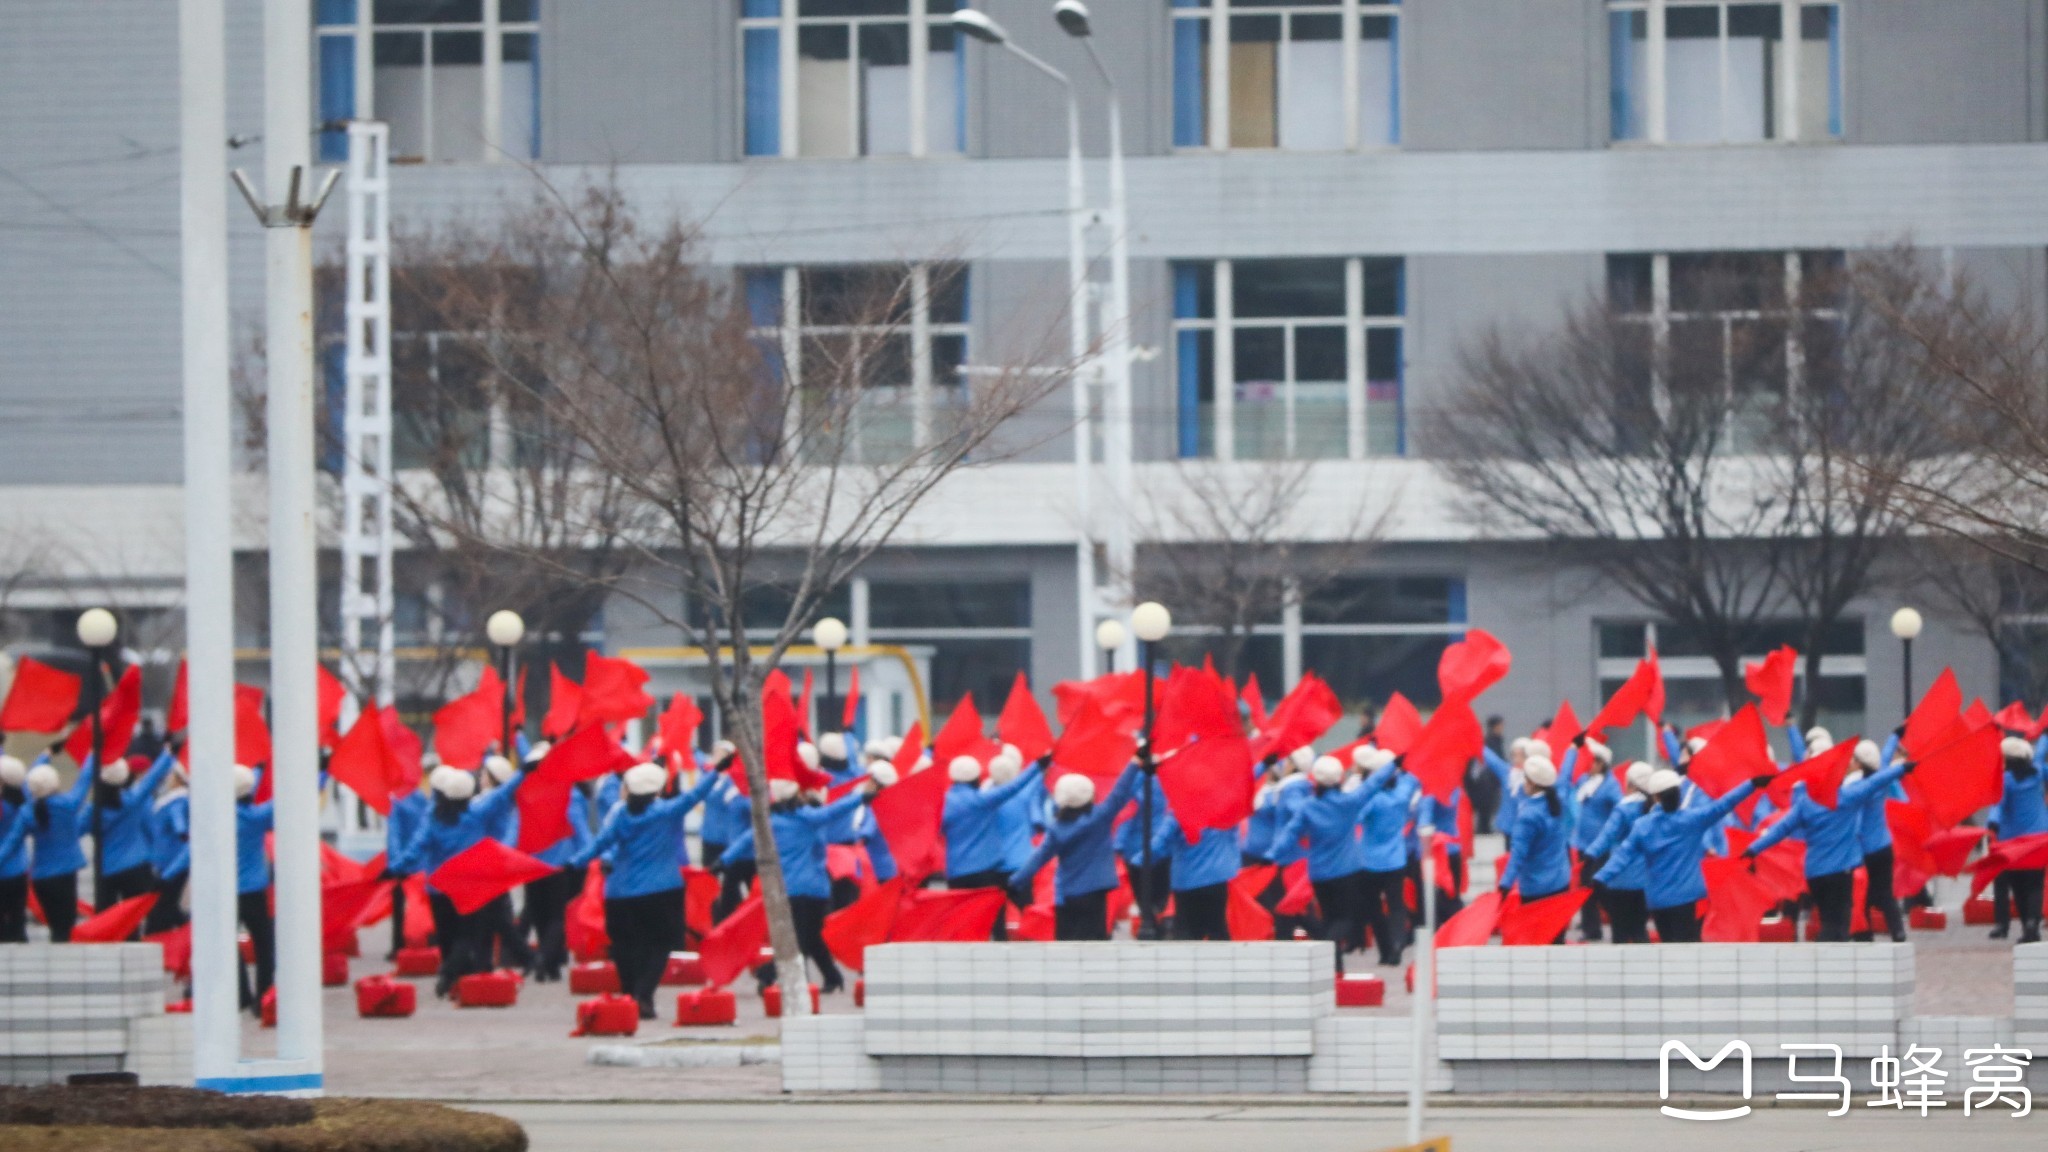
pixel 1868 754
pixel 245 781
pixel 499 768
pixel 808 753
pixel 1538 748
pixel 1371 759
pixel 1538 770
pixel 876 749
pixel 1693 744
pixel 1819 738
pixel 1601 752
pixel 722 749
pixel 1638 775
pixel 453 783
pixel 882 772
pixel 1327 771
pixel 1664 780
pixel 964 770
pixel 1302 758
pixel 832 746
pixel 537 753
pixel 645 779
pixel 1073 791
pixel 41 781
pixel 2012 748
pixel 1519 746
pixel 12 771
pixel 891 745
pixel 1011 751
pixel 1004 767
pixel 782 790
pixel 115 772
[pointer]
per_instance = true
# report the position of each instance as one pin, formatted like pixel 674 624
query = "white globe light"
pixel 1151 621
pixel 1906 623
pixel 829 634
pixel 1110 635
pixel 505 628
pixel 96 628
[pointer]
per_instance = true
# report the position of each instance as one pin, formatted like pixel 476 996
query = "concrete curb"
pixel 683 1055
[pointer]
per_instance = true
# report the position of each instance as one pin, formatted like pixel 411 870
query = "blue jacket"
pixel 1286 799
pixel 1510 796
pixel 54 824
pixel 408 812
pixel 1082 845
pixel 642 844
pixel 438 841
pixel 565 849
pixel 1873 830
pixel 973 822
pixel 1016 821
pixel 13 840
pixel 800 839
pixel 1540 863
pixel 1130 835
pixel 1384 822
pixel 2021 810
pixel 1330 820
pixel 1669 846
pixel 252 864
pixel 1633 874
pixel 126 825
pixel 871 838
pixel 170 835
pixel 1595 807
pixel 725 813
pixel 1212 859
pixel 1833 840
pixel 1441 815
pixel 504 823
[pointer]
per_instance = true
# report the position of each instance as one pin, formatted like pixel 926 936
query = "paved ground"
pixel 1122 1127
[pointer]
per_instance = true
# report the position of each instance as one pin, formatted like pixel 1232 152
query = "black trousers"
pixel 14 909
pixel 58 896
pixel 987 878
pixel 2026 892
pixel 1589 912
pixel 126 884
pixel 1629 910
pixel 397 919
pixel 2001 901
pixel 1082 917
pixel 1152 886
pixel 169 910
pixel 1878 897
pixel 1343 902
pixel 708 852
pixel 1284 927
pixel 1386 911
pixel 547 903
pixel 733 887
pixel 644 930
pixel 809 913
pixel 1832 896
pixel 253 910
pixel 1202 913
pixel 505 938
pixel 465 941
pixel 1678 924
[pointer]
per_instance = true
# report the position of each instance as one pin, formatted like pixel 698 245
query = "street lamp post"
pixel 506 629
pixel 1110 636
pixel 1906 625
pixel 96 630
pixel 829 634
pixel 1151 622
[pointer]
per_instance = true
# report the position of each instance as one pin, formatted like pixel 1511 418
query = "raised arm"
pixel 737 849
pixel 81 788
pixel 1022 877
pixel 153 779
pixel 1796 740
pixel 1162 837
pixel 1289 833
pixel 607 835
pixel 1001 795
pixel 1498 765
pixel 1671 745
pixel 1793 821
pixel 1619 822
pixel 1872 787
pixel 1702 815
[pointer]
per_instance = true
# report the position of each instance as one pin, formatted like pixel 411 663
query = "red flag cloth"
pixel 1399 725
pixel 405 747
pixel 1247 918
pixel 1739 751
pixel 700 895
pixel 1440 853
pixel 929 914
pixel 1955 778
pixel 364 761
pixel 910 751
pixel 1931 718
pixel 1770 681
pixel 118 714
pixel 735 945
pixel 178 716
pixel 1737 898
pixel 544 798
pixel 1472 665
pixel 781 731
pixel 1951 850
pixel 1254 701
pixel 1300 718
pixel 483 872
pixel 908 814
pixel 337 868
pixel 849 712
pixel 1910 828
pixel 1641 694
pixel 1821 774
pixel 1195 704
pixel 852 930
pixel 342 905
pixel 1564 728
pixel 1300 893
pixel 419 912
pixel 1117 692
pixel 177 946
pixel 1977 715
pixel 1022 723
pixel 41 699
pixel 803 707
pixel 1473 925
pixel 117 923
pixel 329 692
pixel 1209 784
pixel 1444 748
pixel 583 920
pixel 2015 718
pixel 1541 921
pixel 679 724
pixel 961 735
pixel 1098 743
pixel 467 726
pixel 565 700
pixel 1782 868
pixel 613 690
pixel 252 731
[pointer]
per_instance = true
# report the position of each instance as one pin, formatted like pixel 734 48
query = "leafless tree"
pixel 2003 600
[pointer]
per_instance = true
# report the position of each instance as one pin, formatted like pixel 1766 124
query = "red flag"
pixel 583 920
pixel 41 699
pixel 467 726
pixel 1022 723
pixel 1641 694
pixel 419 912
pixel 803 707
pixel 947 916
pixel 1737 899
pixel 405 746
pixel 1977 715
pixel 544 797
pixel 1473 925
pixel 1950 851
pixel 342 905
pixel 849 713
pixel 1209 784
pixel 1097 744
pixel 908 815
pixel 2015 718
pixel 1821 774
pixel 483 872
pixel 1399 725
pixel 252 731
pixel 330 692
pixel 1472 665
pixel 735 945
pixel 700 895
pixel 177 946
pixel 1910 828
pixel 1116 692
pixel 679 724
pixel 1299 719
pixel 909 751
pixel 1247 918
pixel 1782 867
pixel 117 923
pixel 1300 893
pixel 118 714
pixel 613 690
pixel 1739 751
pixel 1444 748
pixel 961 735
pixel 1541 921
pixel 1956 777
pixel 1254 701
pixel 364 761
pixel 565 701
pixel 1932 717
pixel 1194 705
pixel 852 930
pixel 1770 681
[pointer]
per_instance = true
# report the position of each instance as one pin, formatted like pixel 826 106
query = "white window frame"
pixel 787 25
pixel 1352 13
pixel 494 31
pixel 1656 115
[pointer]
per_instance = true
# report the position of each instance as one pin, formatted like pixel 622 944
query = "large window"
pixel 1308 353
pixel 1692 683
pixel 457 80
pixel 1309 75
pixel 883 342
pixel 1725 73
pixel 840 78
pixel 979 634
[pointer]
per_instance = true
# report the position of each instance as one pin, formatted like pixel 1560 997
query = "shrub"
pixel 92 1119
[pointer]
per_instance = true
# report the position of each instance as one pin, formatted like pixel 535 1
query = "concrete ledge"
pixel 683 1055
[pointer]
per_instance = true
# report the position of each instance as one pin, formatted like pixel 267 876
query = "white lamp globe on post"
pixel 1906 625
pixel 96 630
pixel 1110 636
pixel 505 629
pixel 829 634
pixel 1150 622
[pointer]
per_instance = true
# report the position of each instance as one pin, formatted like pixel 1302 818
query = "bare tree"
pixel 2003 600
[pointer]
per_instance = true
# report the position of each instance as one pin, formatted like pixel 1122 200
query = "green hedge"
pixel 337 1125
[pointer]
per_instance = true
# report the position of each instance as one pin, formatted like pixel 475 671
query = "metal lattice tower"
pixel 366 593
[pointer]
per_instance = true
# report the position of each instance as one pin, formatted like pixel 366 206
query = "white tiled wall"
pixel 68 1008
pixel 827 1054
pixel 2030 996
pixel 1367 1054
pixel 160 1049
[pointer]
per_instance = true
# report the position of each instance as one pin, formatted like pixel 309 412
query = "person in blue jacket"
pixel 1384 846
pixel 1202 871
pixel 547 899
pixel 119 816
pixel 1021 816
pixel 643 890
pixel 1148 888
pixel 1621 891
pixel 972 823
pixel 1336 856
pixel 253 823
pixel 1541 863
pixel 54 824
pixel 1079 836
pixel 14 861
pixel 1668 843
pixel 458 821
pixel 800 825
pixel 1874 837
pixel 409 811
pixel 169 832
pixel 1833 844
pixel 1597 796
pixel 1441 815
pixel 2021 811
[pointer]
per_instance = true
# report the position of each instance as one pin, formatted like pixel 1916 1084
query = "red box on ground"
pixel 860 993
pixel 418 962
pixel 384 996
pixel 269 1008
pixel 771 1000
pixel 487 990
pixel 333 970
pixel 607 1016
pixel 1779 931
pixel 598 978
pixel 684 969
pixel 706 1007
pixel 178 1008
pixel 1928 919
pixel 1979 911
pixel 1360 992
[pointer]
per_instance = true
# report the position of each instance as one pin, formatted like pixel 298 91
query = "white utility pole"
pixel 1422 1003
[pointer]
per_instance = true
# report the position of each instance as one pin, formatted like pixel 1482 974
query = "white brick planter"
pixel 71 1008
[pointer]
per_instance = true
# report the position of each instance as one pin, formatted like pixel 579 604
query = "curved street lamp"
pixel 1906 625
pixel 505 629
